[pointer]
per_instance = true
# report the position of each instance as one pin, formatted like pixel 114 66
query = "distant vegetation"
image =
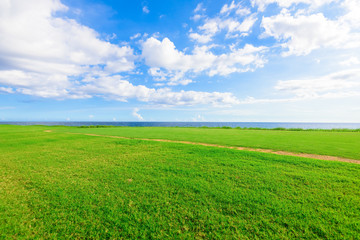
pixel 98 126
pixel 246 128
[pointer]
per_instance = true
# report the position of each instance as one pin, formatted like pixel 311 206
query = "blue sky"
pixel 256 60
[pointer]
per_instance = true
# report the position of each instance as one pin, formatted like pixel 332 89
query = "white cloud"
pixel 38 84
pixel 198 118
pixel 303 34
pixel 116 88
pixel 111 37
pixel 137 35
pixel 235 27
pixel 179 82
pixel 232 26
pixel 199 8
pixel 164 55
pixel 306 29
pixel 262 4
pixel 54 57
pixel 47 56
pixel 201 38
pixel 166 97
pixel 145 9
pixel 197 17
pixel 136 114
pixel 340 84
pixel 239 60
pixel 6 90
pixel 227 8
pixel 44 38
pixel 350 62
pixel 173 77
pixel 352 16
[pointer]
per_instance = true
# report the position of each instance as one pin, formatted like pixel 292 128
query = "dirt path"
pixel 307 155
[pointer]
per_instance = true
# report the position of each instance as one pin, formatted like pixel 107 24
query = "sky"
pixel 241 61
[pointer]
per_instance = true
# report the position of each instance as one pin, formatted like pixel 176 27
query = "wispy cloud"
pixel 6 108
pixel 350 62
pixel 145 9
pixel 136 114
pixel 198 118
pixel 339 84
pixel 199 8
pixel 6 90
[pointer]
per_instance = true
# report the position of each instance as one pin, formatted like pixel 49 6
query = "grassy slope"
pixel 56 185
pixel 342 144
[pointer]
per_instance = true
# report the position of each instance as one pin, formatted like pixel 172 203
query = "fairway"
pixel 62 185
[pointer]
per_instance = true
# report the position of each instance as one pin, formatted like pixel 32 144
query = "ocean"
pixel 201 124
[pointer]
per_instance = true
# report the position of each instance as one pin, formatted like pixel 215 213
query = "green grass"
pixel 333 143
pixel 61 186
pixel 247 128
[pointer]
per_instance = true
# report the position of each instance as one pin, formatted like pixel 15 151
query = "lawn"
pixel 58 185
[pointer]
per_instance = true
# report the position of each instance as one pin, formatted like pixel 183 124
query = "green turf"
pixel 66 186
pixel 333 143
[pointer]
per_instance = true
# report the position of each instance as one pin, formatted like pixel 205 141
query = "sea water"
pixel 306 125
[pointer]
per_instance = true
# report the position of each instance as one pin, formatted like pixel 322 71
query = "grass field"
pixel 333 143
pixel 60 186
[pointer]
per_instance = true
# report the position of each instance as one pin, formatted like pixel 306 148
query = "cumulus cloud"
pixel 303 34
pixel 136 114
pixel 44 54
pixel 46 39
pixel 304 30
pixel 165 60
pixel 49 56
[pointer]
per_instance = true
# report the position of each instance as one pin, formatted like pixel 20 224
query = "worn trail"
pixel 307 155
